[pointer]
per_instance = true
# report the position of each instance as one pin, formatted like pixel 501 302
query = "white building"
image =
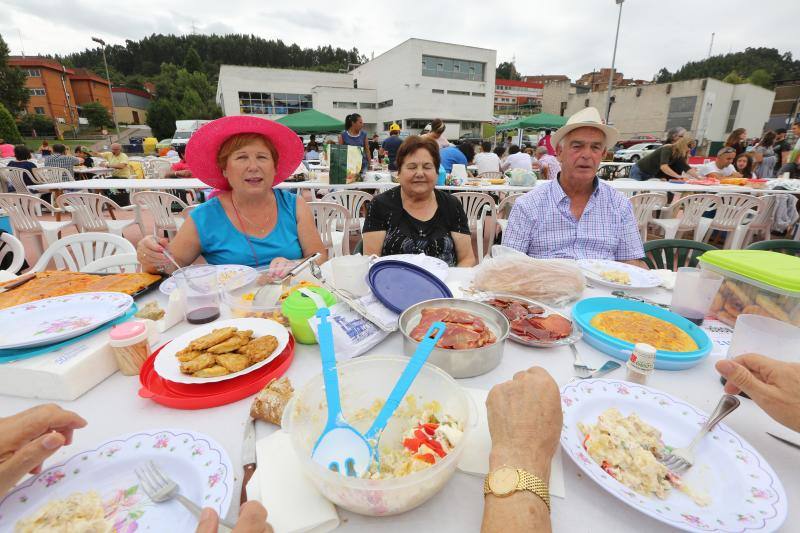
pixel 710 109
pixel 410 84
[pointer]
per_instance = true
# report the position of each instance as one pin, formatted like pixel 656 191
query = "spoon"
pixel 340 444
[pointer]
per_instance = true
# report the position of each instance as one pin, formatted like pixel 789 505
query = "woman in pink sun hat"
pixel 248 222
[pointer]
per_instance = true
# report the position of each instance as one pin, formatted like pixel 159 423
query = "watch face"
pixel 503 481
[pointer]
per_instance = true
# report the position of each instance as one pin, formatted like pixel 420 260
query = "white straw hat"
pixel 586 118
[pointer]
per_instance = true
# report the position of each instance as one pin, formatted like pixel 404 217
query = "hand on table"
pixel 30 437
pixel 252 519
pixel 525 421
pixel 773 385
pixel 280 266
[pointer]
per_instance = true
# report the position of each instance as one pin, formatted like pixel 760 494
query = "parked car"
pixel 635 152
pixel 639 139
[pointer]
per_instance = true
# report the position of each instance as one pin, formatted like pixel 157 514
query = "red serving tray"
pixel 203 396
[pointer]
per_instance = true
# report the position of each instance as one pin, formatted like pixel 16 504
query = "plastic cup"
pixel 200 290
pixel 298 308
pixel 765 336
pixel 350 273
pixel 694 291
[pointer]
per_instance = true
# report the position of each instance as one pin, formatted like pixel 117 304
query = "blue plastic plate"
pixel 399 285
pixel 585 310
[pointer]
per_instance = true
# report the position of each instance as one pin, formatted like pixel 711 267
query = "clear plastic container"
pixel 756 283
pixel 361 382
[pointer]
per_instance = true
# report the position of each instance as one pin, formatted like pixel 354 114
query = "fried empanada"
pixel 212 372
pixel 200 362
pixel 234 362
pixel 230 345
pixel 260 348
pixel 212 339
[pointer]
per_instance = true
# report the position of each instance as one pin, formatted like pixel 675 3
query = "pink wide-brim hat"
pixel 204 145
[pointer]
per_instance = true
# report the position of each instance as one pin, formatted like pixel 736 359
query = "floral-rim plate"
pixel 639 277
pixel 196 462
pixel 59 318
pixel 746 494
pixel 230 277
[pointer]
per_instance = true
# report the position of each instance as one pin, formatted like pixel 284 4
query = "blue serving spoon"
pixel 342 448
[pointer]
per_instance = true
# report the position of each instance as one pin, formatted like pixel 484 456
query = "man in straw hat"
pixel 577 216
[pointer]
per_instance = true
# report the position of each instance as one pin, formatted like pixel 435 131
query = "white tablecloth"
pixel 113 408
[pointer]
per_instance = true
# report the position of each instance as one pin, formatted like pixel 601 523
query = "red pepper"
pixel 427 457
pixel 607 467
pixel 412 444
pixel 430 429
pixel 584 440
pixel 432 444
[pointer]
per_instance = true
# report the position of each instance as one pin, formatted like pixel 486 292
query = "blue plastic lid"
pixel 399 285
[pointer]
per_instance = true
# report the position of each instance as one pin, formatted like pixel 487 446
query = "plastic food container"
pixel 361 382
pixel 240 300
pixel 756 282
pixel 130 345
pixel 298 308
pixel 459 363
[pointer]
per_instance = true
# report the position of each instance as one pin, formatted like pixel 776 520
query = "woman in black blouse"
pixel 416 217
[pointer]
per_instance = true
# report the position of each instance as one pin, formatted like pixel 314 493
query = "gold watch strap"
pixel 528 481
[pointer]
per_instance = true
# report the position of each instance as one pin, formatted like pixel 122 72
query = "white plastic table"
pixel 113 408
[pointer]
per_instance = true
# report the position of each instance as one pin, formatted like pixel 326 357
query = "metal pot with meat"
pixel 473 341
pixel 533 323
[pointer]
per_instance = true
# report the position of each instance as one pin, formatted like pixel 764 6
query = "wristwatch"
pixel 507 480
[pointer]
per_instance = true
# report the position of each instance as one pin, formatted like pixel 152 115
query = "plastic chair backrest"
pixel 473 203
pixel 43 175
pixel 645 204
pixel 79 250
pixel 327 217
pixel 87 209
pixel 784 246
pixel 731 210
pixel 16 177
pixel 506 204
pixel 693 207
pixel 672 254
pixel 13 246
pixel 156 168
pixel 160 206
pixel 23 211
pixel 353 201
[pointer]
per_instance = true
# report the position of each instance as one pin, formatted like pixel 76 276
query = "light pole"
pixel 108 77
pixel 613 61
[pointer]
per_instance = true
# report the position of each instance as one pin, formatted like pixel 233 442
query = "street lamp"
pixel 613 61
pixel 102 43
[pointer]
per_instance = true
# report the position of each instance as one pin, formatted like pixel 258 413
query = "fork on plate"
pixel 160 488
pixel 682 459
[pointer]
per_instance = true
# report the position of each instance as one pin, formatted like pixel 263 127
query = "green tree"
pixel 734 78
pixel 97 115
pixel 13 94
pixel 41 124
pixel 161 117
pixel 507 71
pixel 192 61
pixel 761 77
pixel 663 76
pixel 8 128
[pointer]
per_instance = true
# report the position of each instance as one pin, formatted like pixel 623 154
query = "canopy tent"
pixel 538 121
pixel 311 121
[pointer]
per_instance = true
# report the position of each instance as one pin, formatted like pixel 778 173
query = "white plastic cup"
pixel 765 336
pixel 694 291
pixel 350 273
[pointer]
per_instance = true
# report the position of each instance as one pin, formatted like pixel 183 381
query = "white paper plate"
pixel 197 463
pixel 168 367
pixel 746 493
pixel 59 318
pixel 231 277
pixel 640 278
pixel 434 265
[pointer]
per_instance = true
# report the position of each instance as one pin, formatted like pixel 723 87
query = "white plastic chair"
pixel 11 245
pixel 160 206
pixel 16 178
pixel 351 200
pixel 480 209
pixel 44 175
pixel 760 224
pixel 87 212
pixel 328 216
pixel 85 250
pixel 731 209
pixel 24 210
pixel 643 207
pixel 113 264
pixel 504 209
pixel 692 208
pixel 156 168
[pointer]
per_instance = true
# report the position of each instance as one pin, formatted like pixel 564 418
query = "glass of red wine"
pixel 694 291
pixel 200 292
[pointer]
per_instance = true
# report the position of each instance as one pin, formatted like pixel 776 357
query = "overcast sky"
pixel 545 36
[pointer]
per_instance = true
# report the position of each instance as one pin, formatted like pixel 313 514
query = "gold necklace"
pixel 241 216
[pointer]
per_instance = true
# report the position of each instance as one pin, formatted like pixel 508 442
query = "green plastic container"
pixel 756 282
pixel 298 308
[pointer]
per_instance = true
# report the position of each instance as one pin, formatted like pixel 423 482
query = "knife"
pixel 248 455
pixel 16 282
pixel 608 366
pixel 785 441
